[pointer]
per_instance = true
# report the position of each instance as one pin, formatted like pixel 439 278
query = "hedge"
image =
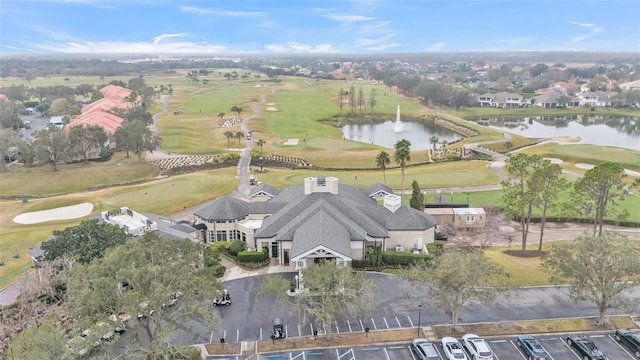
pixel 219 270
pixel 395 258
pixel 251 257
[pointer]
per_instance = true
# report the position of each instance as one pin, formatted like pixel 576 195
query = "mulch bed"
pixel 526 254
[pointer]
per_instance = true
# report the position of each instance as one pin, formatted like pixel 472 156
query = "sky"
pixel 317 26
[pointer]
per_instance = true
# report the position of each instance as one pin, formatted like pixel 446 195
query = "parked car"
pixel 441 236
pixel 585 347
pixel 452 349
pixel 630 338
pixel 477 347
pixel 424 350
pixel 532 348
pixel 399 248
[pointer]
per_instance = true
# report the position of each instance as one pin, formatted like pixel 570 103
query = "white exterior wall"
pixel 409 239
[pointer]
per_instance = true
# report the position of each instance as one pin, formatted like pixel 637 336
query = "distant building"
pixel 132 222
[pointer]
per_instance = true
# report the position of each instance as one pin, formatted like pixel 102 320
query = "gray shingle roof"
pixel 223 208
pixel 264 187
pixel 321 229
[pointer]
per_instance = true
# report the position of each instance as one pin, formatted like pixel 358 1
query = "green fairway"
pixel 164 197
pixel 585 153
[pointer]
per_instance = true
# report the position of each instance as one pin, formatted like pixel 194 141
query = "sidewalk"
pixel 234 271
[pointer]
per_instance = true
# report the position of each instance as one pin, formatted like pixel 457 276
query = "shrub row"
pixel 251 257
pixel 403 258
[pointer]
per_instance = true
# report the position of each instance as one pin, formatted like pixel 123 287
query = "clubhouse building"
pixel 320 219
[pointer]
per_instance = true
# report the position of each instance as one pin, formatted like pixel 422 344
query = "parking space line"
pixel 337 329
pixel 286 331
pixel 398 321
pixel 410 322
pixel 569 347
pixel 224 334
pixel 311 326
pixel 238 335
pixel 385 322
pixel 518 349
pixel 397 347
pixel 349 324
pixel 324 328
pixel 597 336
pixel 386 355
pixel 374 324
pixel 620 346
pixel 299 330
pixel 260 333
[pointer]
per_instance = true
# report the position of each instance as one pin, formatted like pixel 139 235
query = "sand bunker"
pixel 272 108
pixel 584 166
pixel 591 166
pixel 554 160
pixel 270 104
pixel 61 213
pixel 291 142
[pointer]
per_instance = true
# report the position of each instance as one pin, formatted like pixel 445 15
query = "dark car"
pixel 532 348
pixel 441 236
pixel 585 347
pixel 631 338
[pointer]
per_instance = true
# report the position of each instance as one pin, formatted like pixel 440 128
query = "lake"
pixel 602 130
pixel 389 132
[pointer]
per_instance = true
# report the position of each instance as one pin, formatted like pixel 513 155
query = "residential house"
pixel 501 100
pixel 319 219
pixel 632 85
pixel 469 218
pixel 594 99
pixel 555 99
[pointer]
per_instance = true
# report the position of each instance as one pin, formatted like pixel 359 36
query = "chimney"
pixel 392 202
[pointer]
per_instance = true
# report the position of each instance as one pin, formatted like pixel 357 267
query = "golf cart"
pixel 222 298
pixel 278 329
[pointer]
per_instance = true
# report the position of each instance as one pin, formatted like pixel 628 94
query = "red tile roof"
pixel 115 92
pixel 108 121
pixel 104 104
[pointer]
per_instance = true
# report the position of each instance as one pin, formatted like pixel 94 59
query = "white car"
pixel 477 347
pixel 452 349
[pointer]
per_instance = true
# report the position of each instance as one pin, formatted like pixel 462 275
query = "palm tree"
pixel 382 160
pixel 434 141
pixel 508 145
pixel 260 143
pixel 401 156
pixel 221 116
pixel 229 135
pixel 444 144
pixel 239 135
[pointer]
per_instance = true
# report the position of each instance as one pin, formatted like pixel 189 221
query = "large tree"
pixel 599 269
pixel 162 284
pixel 136 137
pixel 261 143
pixel 549 182
pixel 382 160
pixel 84 139
pixel 597 192
pixel 9 146
pixel 51 145
pixel 455 278
pixel 518 196
pixel 239 135
pixel 330 292
pixel 402 155
pixel 417 197
pixel 85 241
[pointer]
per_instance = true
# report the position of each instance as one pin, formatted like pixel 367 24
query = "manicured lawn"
pixel 164 197
pixel 523 271
pixel 428 176
pixel 585 153
pixel 43 181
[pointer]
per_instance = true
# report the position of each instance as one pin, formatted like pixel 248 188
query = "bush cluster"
pixel 403 258
pixel 251 257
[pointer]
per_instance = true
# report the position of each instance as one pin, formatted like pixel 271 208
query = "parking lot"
pixel 505 348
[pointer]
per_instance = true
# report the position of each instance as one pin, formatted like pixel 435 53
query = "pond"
pixel 602 130
pixel 389 132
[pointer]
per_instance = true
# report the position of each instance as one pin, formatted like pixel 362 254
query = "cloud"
pixel 594 30
pixel 361 42
pixel 217 12
pixel 435 47
pixel 296 47
pixel 18 48
pixel 384 46
pixel 266 25
pixel 348 19
pixel 113 47
pixel 580 24
pixel 158 39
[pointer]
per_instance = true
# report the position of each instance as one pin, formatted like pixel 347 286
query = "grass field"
pixel 164 197
pixel 572 154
